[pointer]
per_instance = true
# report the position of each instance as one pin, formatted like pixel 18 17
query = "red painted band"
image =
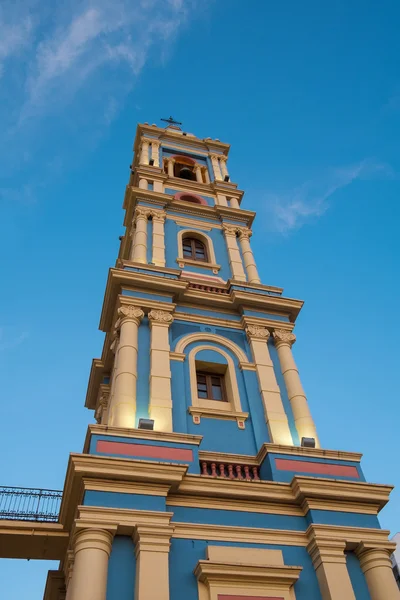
pixel 144 450
pixel 229 597
pixel 284 464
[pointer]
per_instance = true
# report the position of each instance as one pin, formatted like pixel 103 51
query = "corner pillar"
pixel 224 170
pixel 248 257
pixel 152 544
pixel 329 562
pixel 275 416
pixel 235 260
pixel 302 417
pixel 158 253
pixel 122 412
pixel 215 166
pixel 92 548
pixel 206 175
pixel 160 406
pixel 377 568
pixel 139 243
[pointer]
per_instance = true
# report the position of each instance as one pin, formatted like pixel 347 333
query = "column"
pixel 197 171
pixel 224 170
pixel 221 200
pixel 122 410
pixel 152 544
pixel 215 165
pixel 233 203
pixel 143 184
pixel 68 571
pixel 144 152
pixel 155 153
pixel 102 409
pixel 206 175
pixel 160 406
pixel 302 417
pixel 92 550
pixel 139 245
pixel 158 254
pixel 275 415
pixel 377 568
pixel 248 258
pixel 329 562
pixel 170 163
pixel 235 260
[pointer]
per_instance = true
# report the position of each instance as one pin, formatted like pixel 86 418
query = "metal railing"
pixel 28 504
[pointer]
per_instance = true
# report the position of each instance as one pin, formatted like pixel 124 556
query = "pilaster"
pixel 160 407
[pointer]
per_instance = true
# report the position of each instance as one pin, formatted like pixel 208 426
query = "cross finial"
pixel 171 121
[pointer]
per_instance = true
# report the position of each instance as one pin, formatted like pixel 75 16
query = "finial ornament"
pixel 257 332
pixel 281 336
pixel 160 316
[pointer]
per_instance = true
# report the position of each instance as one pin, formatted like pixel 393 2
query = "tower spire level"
pixel 203 477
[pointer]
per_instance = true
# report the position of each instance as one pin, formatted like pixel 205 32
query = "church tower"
pixel 204 477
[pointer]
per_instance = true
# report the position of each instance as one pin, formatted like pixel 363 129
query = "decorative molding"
pixel 129 311
pixel 244 233
pixel 281 337
pixel 198 411
pixel 160 316
pixel 257 332
pixel 103 405
pixel 211 337
pixel 306 452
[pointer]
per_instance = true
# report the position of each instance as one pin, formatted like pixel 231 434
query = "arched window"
pixel 194 249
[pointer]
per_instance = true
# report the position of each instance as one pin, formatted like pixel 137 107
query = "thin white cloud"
pixel 11 341
pixel 14 36
pixel 291 209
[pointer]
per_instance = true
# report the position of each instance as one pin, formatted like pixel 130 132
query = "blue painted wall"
pixel 122 500
pixel 121 569
pixel 357 577
pixel 185 554
pixel 143 388
pixel 269 469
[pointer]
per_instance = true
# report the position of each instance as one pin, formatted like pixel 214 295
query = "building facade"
pixel 204 477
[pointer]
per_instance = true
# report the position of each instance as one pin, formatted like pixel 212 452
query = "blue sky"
pixel 307 93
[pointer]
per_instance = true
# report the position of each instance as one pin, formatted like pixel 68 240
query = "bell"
pixel 185 173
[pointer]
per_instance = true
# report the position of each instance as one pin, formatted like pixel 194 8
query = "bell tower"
pixel 204 477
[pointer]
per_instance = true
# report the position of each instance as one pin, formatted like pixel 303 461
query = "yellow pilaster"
pixel 329 562
pixel 155 153
pixel 302 417
pixel 275 415
pixel 377 568
pixel 215 166
pixel 144 152
pixel 235 260
pixel 248 257
pixel 139 246
pixel 122 410
pixel 206 175
pixel 152 544
pixel 160 406
pixel 92 549
pixel 221 200
pixel 158 251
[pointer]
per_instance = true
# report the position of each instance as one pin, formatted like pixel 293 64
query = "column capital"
pixel 244 233
pixel 257 332
pixel 155 143
pixel 94 538
pixel 283 337
pixel 214 156
pixel 128 312
pixel 170 159
pixel 326 551
pixel 158 215
pixel 374 554
pixel 160 317
pixel 230 229
pixel 142 212
pixel 152 538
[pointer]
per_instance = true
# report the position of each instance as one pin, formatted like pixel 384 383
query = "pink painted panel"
pixel 229 597
pixel 144 450
pixel 284 464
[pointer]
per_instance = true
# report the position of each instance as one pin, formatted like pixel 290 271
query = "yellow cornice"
pixel 156 436
pixel 167 134
pixel 95 379
pixel 228 533
pixel 125 519
pixel 233 574
pixel 224 457
pixel 236 505
pixel 307 452
pixel 353 536
pixel 207 320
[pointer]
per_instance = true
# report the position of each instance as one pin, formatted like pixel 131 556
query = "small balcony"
pixel 29 504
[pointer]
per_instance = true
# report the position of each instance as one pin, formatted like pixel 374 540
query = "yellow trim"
pixel 202 237
pixel 307 452
pixel 156 436
pixel 125 487
pixel 281 537
pixel 182 262
pixel 235 505
pixel 211 337
pixel 207 320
